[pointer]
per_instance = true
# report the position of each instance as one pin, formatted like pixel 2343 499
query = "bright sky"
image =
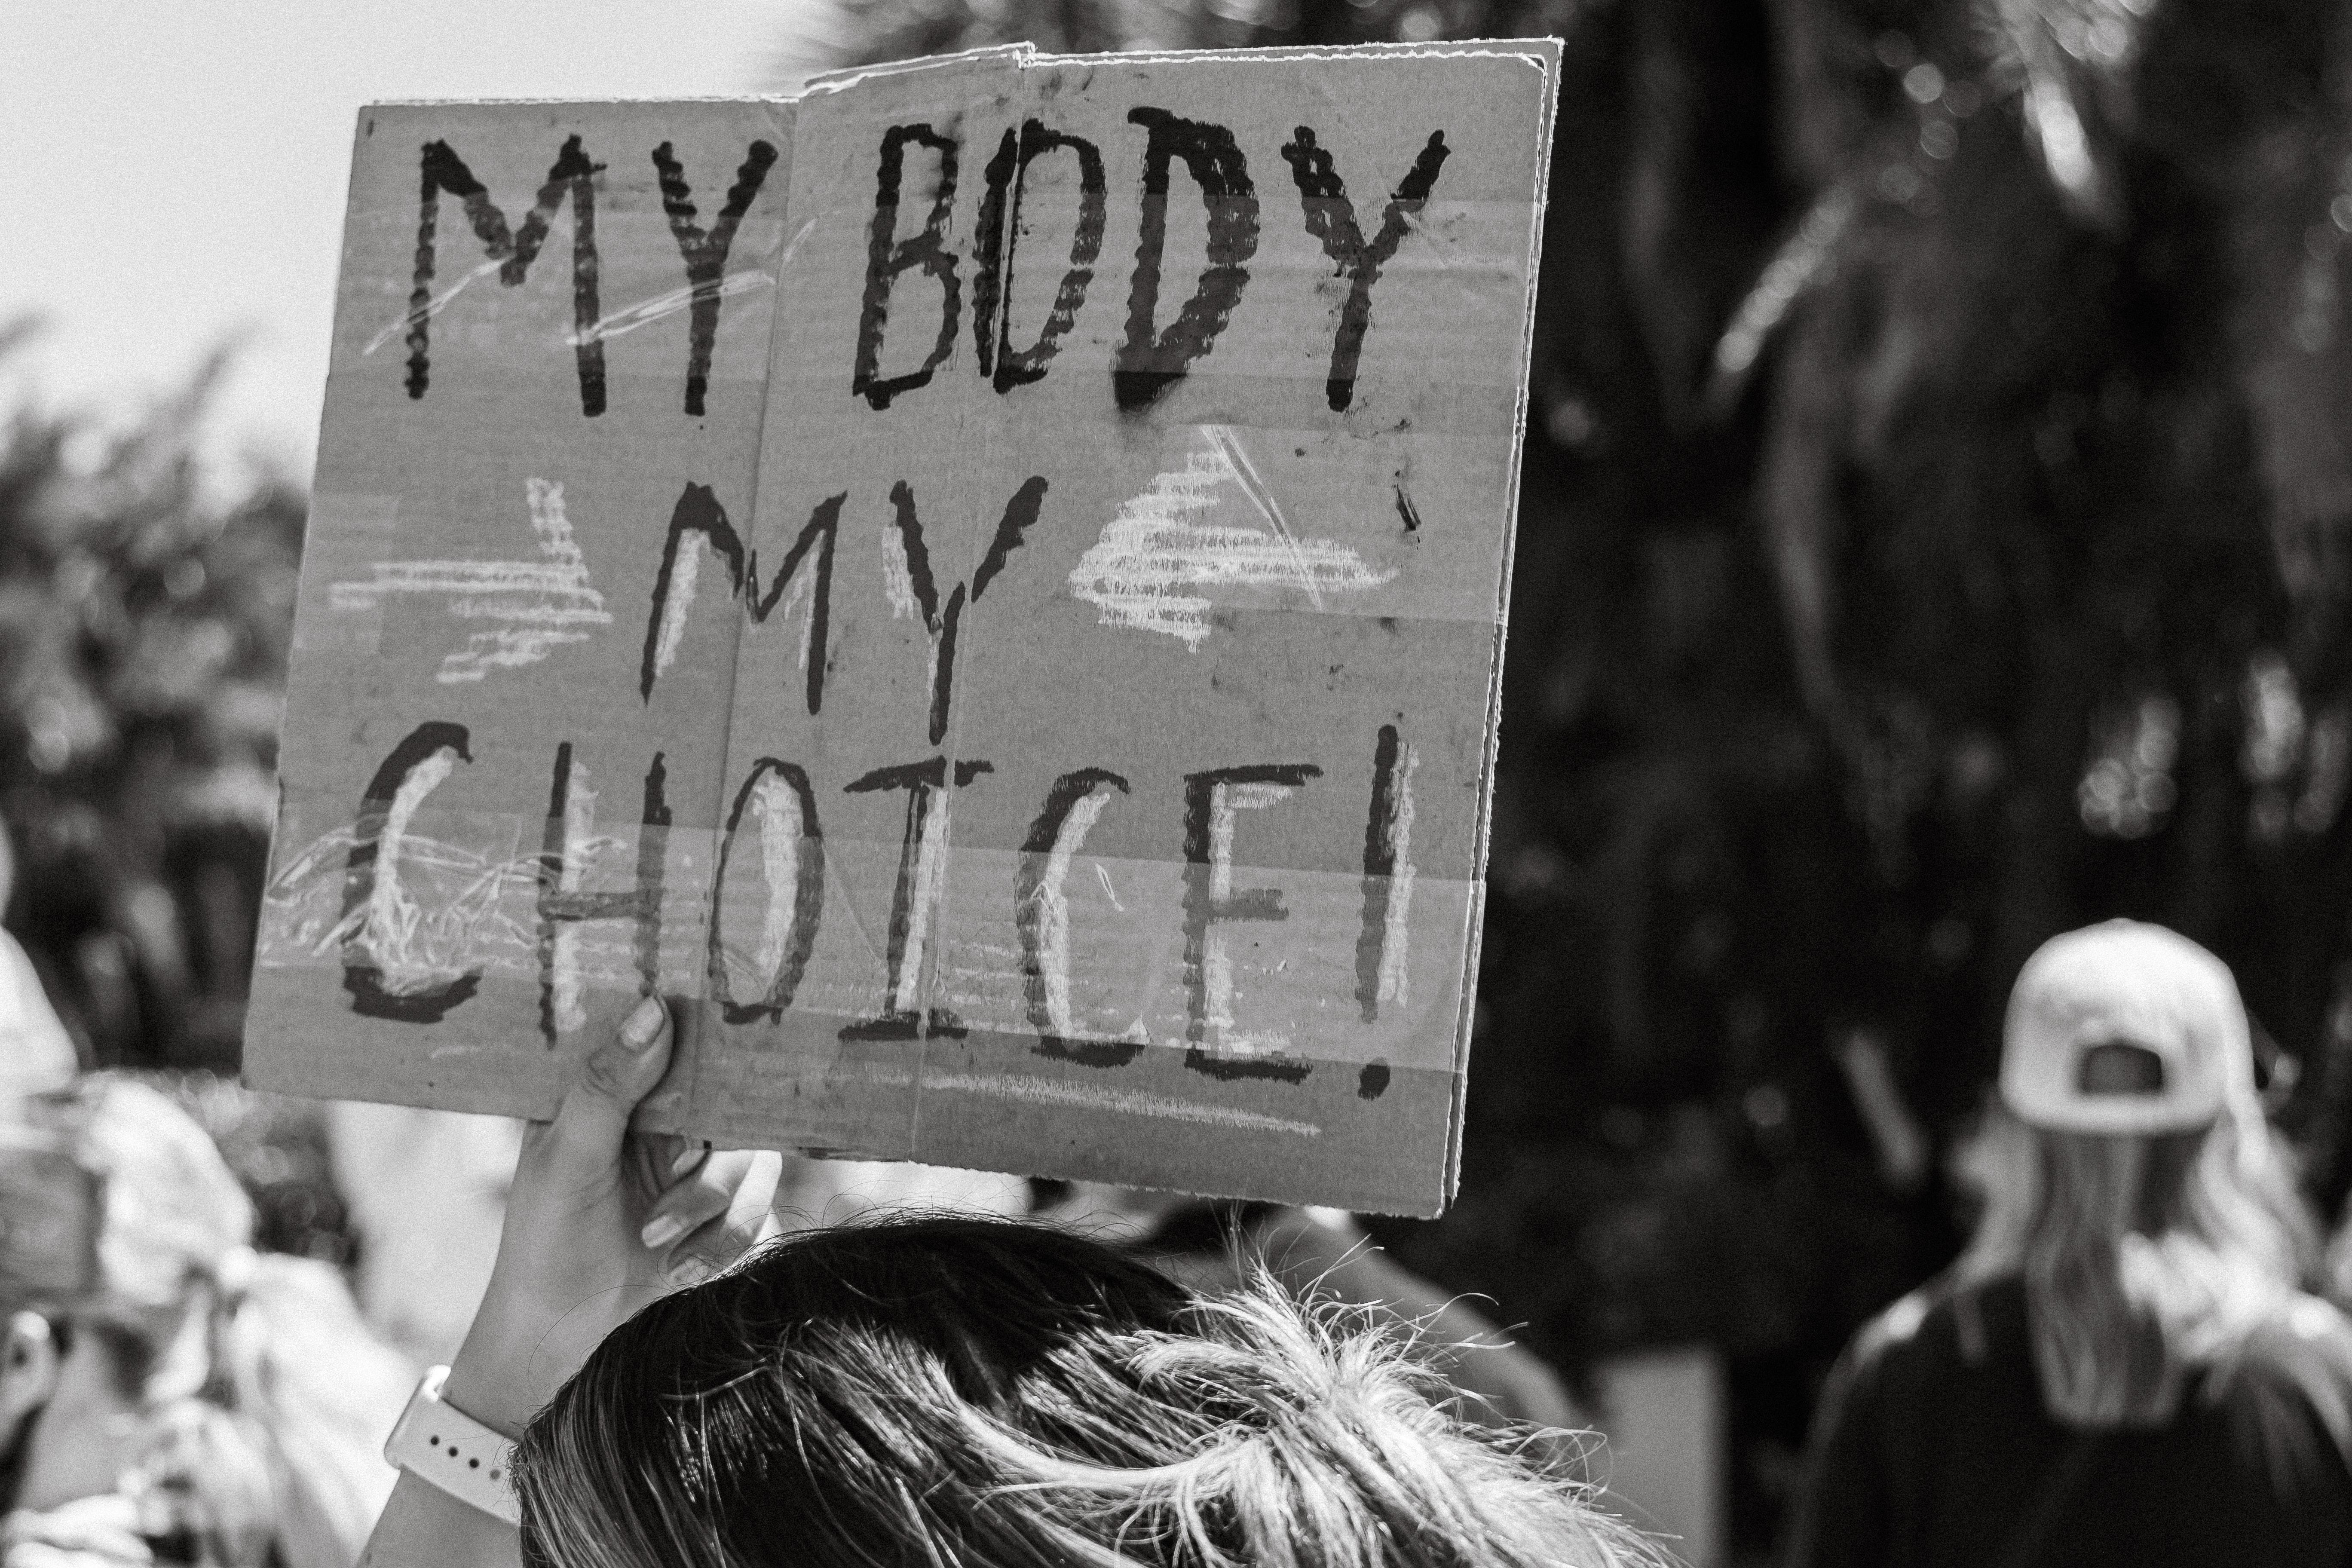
pixel 175 169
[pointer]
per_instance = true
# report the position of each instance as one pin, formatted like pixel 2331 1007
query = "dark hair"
pixel 993 1395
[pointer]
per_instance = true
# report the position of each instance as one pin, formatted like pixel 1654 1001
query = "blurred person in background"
pixel 2123 1366
pixel 166 1394
pixel 35 1053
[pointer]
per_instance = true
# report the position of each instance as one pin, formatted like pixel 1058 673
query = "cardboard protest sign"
pixel 984 584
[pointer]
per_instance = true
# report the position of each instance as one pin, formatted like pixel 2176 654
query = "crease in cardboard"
pixel 695 1041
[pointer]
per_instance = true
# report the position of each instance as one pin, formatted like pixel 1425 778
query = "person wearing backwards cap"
pixel 2123 1367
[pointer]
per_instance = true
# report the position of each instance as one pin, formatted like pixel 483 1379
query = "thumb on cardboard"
pixel 594 1117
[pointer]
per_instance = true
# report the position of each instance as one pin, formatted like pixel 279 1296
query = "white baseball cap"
pixel 2123 1027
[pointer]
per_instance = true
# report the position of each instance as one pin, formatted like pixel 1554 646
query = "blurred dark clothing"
pixel 1932 1449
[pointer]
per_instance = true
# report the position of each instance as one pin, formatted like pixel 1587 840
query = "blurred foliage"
pixel 143 629
pixel 1936 532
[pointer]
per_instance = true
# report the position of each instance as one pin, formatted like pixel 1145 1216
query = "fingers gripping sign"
pixel 601 1222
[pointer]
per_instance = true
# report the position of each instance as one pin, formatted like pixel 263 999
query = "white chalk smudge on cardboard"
pixel 541 604
pixel 1133 1102
pixel 1159 559
pixel 1396 925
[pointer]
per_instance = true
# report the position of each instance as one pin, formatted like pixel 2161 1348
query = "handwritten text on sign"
pixel 1030 723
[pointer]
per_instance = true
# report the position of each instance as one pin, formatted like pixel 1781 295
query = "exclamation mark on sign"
pixel 1381 957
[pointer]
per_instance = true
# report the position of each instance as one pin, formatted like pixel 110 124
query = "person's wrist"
pixel 515 1356
pixel 485 1382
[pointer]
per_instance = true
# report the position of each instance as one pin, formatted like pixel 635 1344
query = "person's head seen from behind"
pixel 2154 1223
pixel 999 1396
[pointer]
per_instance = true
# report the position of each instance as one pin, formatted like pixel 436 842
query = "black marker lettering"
pixel 413 769
pixel 1147 366
pixel 562 906
pixel 792 863
pixel 698 522
pixel 1407 512
pixel 942 619
pixel 1212 800
pixel 1042 913
pixel 1388 876
pixel 706 253
pixel 517 249
pixel 887 257
pixel 1331 218
pixel 922 862
pixel 999 234
pixel 990 262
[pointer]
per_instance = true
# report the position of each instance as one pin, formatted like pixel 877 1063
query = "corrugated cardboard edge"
pixel 1017 55
pixel 783 115
pixel 572 99
pixel 1546 49
pixel 1546 52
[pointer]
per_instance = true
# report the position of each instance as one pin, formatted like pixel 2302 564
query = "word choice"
pixel 783 804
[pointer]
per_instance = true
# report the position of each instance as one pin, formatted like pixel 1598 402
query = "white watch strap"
pixel 438 1443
